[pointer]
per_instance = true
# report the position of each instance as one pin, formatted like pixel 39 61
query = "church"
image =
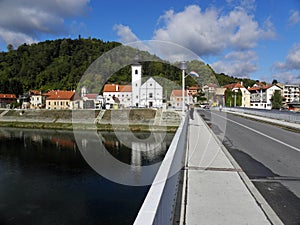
pixel 139 95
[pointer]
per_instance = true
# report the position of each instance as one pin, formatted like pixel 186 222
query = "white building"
pixel 148 94
pixel 260 96
pixel 290 93
pixel 121 94
pixel 37 100
pixel 151 94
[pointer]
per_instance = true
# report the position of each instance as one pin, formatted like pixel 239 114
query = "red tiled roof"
pixel 234 85
pixel 11 96
pixel 258 88
pixel 178 93
pixel 60 95
pixel 91 96
pixel 117 88
pixel 35 92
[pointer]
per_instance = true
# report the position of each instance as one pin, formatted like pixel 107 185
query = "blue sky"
pixel 243 38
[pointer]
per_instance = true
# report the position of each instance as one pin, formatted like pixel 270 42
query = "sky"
pixel 242 38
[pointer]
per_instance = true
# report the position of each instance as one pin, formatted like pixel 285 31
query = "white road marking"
pixel 258 132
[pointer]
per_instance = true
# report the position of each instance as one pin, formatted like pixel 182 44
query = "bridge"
pixel 199 182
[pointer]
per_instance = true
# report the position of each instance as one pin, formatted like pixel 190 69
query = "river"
pixel 45 180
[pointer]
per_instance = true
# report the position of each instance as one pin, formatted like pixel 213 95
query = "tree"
pixel 10 47
pixel 274 82
pixel 276 100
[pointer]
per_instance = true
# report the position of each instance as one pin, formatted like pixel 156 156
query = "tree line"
pixel 59 64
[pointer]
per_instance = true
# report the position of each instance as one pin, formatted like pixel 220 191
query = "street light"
pixel 235 91
pixel 183 66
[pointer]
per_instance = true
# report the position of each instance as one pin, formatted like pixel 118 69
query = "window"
pixel 136 72
pixel 136 84
pixel 150 95
pixel 137 97
pixel 150 84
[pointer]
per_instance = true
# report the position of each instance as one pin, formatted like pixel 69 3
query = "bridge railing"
pixel 276 114
pixel 159 204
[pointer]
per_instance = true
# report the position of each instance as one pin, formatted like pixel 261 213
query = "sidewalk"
pixel 216 193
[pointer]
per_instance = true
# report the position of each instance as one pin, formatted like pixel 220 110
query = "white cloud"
pixel 292 61
pixel 294 17
pixel 23 21
pixel 287 77
pixel 125 34
pixel 238 63
pixel 209 32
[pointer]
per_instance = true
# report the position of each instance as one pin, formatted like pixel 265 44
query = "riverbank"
pixel 135 120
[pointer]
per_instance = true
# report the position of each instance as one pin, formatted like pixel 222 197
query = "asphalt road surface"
pixel 269 155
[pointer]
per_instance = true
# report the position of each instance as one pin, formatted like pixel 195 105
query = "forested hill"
pixel 59 64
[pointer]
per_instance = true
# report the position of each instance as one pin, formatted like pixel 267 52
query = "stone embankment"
pixel 133 119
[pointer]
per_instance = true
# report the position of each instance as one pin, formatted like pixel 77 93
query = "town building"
pixel 151 94
pixel 176 99
pixel 115 93
pixel 7 99
pixel 37 99
pixel 260 96
pixel 57 99
pixel 236 87
pixel 138 94
pixel 290 93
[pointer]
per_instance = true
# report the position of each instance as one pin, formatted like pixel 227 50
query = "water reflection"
pixel 45 180
pixel 134 161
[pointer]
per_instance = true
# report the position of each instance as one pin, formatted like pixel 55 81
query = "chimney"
pixel 117 87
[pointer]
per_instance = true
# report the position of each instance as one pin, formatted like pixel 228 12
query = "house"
pixel 193 90
pixel 235 87
pixel 176 99
pixel 37 99
pixel 115 93
pixel 6 99
pixel 57 99
pixel 260 96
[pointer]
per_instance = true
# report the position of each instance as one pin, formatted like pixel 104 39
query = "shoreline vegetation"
pixel 135 120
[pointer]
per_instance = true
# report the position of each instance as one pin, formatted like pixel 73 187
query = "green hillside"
pixel 59 64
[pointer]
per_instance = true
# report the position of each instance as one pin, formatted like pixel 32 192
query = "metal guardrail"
pixel 273 114
pixel 159 204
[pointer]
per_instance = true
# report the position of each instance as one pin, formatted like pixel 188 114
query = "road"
pixel 269 155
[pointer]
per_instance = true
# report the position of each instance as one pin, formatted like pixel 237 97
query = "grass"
pixel 99 127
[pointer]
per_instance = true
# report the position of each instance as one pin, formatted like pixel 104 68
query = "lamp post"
pixel 183 66
pixel 235 91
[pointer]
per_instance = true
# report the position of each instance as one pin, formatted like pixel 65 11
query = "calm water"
pixel 45 180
